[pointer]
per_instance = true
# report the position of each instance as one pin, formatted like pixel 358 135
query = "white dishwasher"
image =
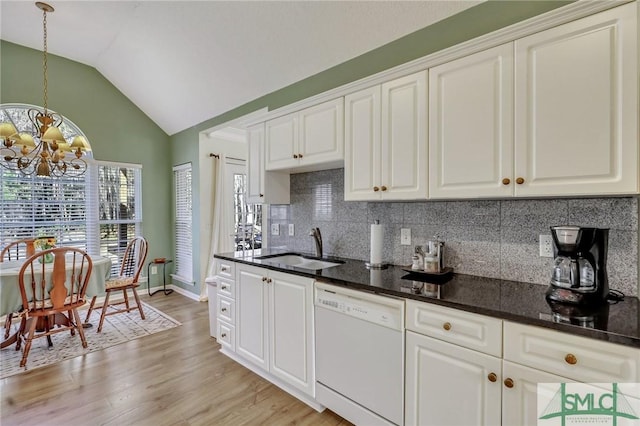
pixel 360 355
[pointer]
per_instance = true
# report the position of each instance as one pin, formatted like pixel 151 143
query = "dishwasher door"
pixel 358 358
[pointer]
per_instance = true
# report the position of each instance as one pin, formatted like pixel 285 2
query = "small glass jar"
pixel 431 264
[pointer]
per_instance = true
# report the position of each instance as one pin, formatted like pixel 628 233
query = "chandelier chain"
pixel 44 59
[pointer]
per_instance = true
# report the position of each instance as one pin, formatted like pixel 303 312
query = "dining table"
pixel 11 301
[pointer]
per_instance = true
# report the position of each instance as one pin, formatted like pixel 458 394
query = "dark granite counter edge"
pixel 508 316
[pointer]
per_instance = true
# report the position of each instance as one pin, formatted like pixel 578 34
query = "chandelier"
pixel 46 152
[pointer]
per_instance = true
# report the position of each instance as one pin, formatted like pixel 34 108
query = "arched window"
pixel 97 212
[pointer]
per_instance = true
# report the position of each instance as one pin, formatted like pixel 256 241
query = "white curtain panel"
pixel 221 226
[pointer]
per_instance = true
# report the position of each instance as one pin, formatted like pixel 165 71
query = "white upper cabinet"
pixel 306 140
pixel 263 187
pixel 471 125
pixel 551 114
pixel 576 107
pixel 385 141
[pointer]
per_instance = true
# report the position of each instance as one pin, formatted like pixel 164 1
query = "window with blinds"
pixel 38 206
pixel 117 217
pixel 97 212
pixel 183 223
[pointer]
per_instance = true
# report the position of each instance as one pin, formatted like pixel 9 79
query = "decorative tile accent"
pixel 491 238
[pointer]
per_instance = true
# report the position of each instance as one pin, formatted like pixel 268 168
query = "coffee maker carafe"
pixel 580 266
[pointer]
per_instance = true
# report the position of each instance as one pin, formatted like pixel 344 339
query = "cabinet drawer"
pixel 226 288
pixel 469 330
pixel 576 357
pixel 225 269
pixel 226 310
pixel 227 335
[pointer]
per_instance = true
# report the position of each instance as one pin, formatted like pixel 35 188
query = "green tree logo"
pixel 588 402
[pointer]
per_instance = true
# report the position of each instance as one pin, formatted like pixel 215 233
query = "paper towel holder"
pixel 370 264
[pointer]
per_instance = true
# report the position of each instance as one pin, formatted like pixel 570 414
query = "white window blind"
pixel 183 223
pixel 38 206
pixel 117 215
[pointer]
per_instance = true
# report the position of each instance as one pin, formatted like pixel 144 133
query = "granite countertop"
pixel 509 300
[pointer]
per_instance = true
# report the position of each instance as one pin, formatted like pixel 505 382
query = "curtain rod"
pixel 230 158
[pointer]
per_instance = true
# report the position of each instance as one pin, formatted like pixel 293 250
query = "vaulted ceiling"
pixel 184 62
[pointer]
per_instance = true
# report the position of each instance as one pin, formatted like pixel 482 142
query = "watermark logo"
pixel 574 404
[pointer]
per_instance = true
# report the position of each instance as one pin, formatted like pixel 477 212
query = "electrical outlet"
pixel 405 236
pixel 154 270
pixel 275 229
pixel 546 245
pixel 291 230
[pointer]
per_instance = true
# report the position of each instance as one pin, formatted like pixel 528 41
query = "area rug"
pixel 115 330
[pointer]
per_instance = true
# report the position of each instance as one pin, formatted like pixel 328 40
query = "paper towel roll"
pixel 376 244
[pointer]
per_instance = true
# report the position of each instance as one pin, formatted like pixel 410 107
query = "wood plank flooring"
pixel 176 377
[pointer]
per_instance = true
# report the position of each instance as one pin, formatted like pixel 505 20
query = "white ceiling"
pixel 184 62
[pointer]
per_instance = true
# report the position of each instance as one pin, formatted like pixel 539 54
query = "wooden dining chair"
pixel 130 269
pixel 19 249
pixel 16 250
pixel 51 295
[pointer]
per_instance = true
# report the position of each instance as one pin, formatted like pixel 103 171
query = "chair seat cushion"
pixel 118 283
pixel 47 304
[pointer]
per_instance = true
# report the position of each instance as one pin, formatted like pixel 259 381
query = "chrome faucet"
pixel 317 237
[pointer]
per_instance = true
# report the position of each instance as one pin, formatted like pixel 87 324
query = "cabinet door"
pixel 264 187
pixel 281 143
pixel 321 138
pixel 252 326
pixel 471 126
pixel 403 138
pixel 577 107
pixel 255 163
pixel 441 377
pixel 291 330
pixel 520 401
pixel 362 145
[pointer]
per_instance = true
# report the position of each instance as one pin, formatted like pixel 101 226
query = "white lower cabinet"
pixel 275 325
pixel 450 385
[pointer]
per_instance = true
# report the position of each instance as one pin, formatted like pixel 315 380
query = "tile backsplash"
pixel 489 238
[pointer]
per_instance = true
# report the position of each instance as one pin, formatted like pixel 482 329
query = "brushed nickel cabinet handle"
pixel 508 382
pixel 446 326
pixel 571 359
pixel 506 181
pixel 492 377
pixel 520 181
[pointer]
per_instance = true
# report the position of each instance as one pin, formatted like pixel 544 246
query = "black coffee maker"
pixel 580 267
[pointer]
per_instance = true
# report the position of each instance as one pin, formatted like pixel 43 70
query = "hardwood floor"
pixel 176 377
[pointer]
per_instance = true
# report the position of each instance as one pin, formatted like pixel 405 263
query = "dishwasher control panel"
pixel 380 310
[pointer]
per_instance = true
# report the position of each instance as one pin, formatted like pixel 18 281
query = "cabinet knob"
pixel 384 188
pixel 571 359
pixel 269 280
pixel 224 287
pixel 223 269
pixel 520 181
pixel 446 326
pixel 295 155
pixel 299 155
pixel 376 189
pixel 261 195
pixel 508 382
pixel 264 279
pixel 506 181
pixel 224 309
pixel 492 377
pixel 223 335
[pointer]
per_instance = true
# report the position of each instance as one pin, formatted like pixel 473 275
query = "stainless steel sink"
pixel 299 261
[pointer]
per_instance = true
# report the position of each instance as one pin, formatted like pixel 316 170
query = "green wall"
pixel 115 127
pixel 471 23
